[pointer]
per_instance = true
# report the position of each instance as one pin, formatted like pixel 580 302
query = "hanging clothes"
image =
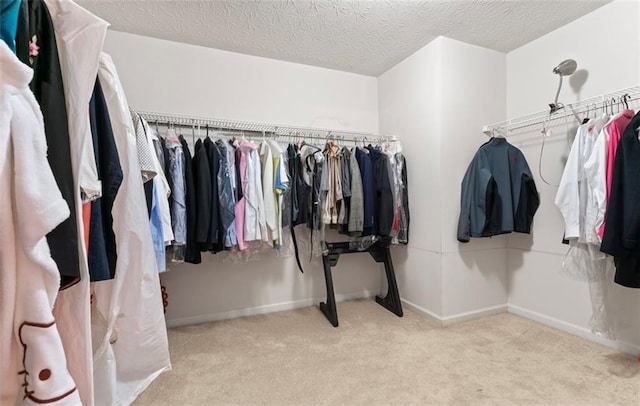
pixel 32 206
pixel 280 188
pixel 36 46
pixel 405 217
pixel 80 36
pixel 228 185
pixel 203 182
pixel 574 193
pixel 161 183
pixel 616 130
pixel 130 347
pixel 254 216
pixel 366 172
pixel 192 251
pixel 498 193
pixel 622 229
pixel 160 212
pixel 102 253
pixel 356 203
pixel 383 192
pixel 268 193
pixel 215 240
pixel 178 196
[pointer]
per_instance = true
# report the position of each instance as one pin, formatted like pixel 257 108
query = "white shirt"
pixel 79 36
pixel 596 169
pixel 131 349
pixel 32 206
pixel 575 195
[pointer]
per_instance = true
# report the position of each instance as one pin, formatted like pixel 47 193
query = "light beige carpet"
pixel 374 358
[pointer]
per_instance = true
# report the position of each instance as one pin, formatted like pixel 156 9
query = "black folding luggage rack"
pixel 380 253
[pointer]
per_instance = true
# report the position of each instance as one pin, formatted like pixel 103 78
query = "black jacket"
pixel 202 181
pixel 192 251
pixel 622 228
pixel 216 234
pixel 35 25
pixel 382 192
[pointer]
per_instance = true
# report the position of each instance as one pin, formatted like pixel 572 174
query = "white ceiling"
pixel 359 36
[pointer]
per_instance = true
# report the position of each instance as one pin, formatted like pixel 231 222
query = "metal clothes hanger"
pixel 624 100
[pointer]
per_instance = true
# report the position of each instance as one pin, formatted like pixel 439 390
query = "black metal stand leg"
pixel 329 308
pixel 391 301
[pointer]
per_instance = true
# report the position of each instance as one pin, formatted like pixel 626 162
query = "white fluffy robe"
pixel 33 367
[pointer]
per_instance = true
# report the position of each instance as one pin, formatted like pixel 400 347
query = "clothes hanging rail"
pixel 271 130
pixel 601 102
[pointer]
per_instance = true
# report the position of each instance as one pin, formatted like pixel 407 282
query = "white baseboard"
pixel 456 318
pixel 475 314
pixel 574 329
pixel 422 311
pixel 270 308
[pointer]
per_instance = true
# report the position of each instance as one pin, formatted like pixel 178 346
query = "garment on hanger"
pixel 596 173
pixel 161 183
pixel 147 166
pixel 346 188
pixel 130 336
pixel 34 367
pixel 622 229
pixel 499 194
pixel 254 216
pixel 616 130
pixel 203 182
pixel 102 255
pixel 214 240
pixel 574 194
pixel 230 193
pixel 356 202
pixel 383 192
pixel 405 217
pixel 159 212
pixel 36 47
pixel 268 193
pixel 178 196
pixel 80 36
pixel 366 172
pixel 192 251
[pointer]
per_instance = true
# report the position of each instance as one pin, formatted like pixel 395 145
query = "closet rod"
pixel 579 107
pixel 272 129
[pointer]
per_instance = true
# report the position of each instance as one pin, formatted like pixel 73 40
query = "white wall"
pixel 409 99
pixel 473 90
pixel 606 45
pixel 436 100
pixel 176 78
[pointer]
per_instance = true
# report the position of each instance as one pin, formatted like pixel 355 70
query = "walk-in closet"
pixel 314 202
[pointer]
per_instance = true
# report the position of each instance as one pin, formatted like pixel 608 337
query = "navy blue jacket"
pixel 366 170
pixel 102 254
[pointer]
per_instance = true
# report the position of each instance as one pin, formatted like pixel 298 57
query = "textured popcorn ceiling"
pixel 365 37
